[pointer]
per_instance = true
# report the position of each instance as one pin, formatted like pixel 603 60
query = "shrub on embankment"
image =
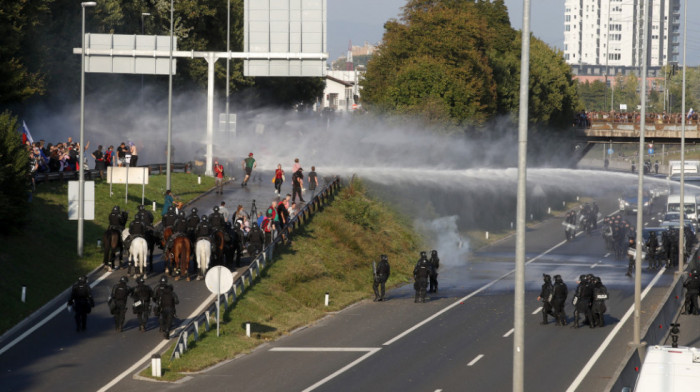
pixel 43 255
pixel 332 253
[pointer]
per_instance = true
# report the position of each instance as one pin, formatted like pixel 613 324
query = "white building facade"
pixel 607 32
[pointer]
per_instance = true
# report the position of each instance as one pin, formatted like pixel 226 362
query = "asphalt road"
pixel 55 357
pixel 461 340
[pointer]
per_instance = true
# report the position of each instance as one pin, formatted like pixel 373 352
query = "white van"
pixel 669 369
pixel 673 204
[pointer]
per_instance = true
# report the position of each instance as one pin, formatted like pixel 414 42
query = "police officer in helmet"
pixel 421 274
pixel 165 299
pixel 546 298
pixel 82 302
pixel 118 299
pixel 435 264
pixel 142 295
pixel 381 275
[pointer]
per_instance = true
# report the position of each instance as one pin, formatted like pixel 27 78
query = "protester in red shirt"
pixel 219 175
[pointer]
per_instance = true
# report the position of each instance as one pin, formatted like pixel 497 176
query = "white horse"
pixel 138 252
pixel 203 253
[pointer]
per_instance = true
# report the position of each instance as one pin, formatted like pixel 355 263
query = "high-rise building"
pixel 605 33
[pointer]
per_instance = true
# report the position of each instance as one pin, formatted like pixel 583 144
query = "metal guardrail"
pixel 154 168
pixel 247 278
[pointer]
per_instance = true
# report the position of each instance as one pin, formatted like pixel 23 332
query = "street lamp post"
pixel 143 31
pixel 228 62
pixel 170 100
pixel 81 178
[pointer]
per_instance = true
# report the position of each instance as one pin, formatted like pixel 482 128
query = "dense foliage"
pixel 38 37
pixel 14 174
pixel 459 62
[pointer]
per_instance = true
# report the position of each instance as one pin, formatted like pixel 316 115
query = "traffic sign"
pixel 610 151
pixel 219 279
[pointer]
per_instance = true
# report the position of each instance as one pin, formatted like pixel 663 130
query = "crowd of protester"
pixel 584 119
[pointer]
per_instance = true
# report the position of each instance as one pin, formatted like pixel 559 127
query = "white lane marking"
pixel 461 300
pixel 607 254
pixel 509 333
pixel 595 265
pixel 438 390
pixel 475 360
pixel 47 318
pixel 537 310
pixel 158 348
pixel 341 370
pixel 611 336
pixel 325 349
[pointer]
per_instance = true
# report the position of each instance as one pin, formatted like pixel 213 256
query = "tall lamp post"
pixel 143 31
pixel 170 100
pixel 81 178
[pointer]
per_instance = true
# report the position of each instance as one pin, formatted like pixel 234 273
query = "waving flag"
pixel 690 113
pixel 25 134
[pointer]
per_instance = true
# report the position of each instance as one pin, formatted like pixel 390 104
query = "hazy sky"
pixel 363 20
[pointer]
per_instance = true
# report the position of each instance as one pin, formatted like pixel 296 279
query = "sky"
pixel 363 20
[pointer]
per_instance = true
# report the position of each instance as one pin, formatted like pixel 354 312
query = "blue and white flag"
pixel 25 134
pixel 690 113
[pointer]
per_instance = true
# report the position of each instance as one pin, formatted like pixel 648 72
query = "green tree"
pixel 14 174
pixel 593 95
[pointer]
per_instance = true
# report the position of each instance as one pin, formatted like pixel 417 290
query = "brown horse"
pixel 180 256
pixel 111 243
pixel 219 243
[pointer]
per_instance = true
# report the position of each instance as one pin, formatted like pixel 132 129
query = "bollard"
pixel 326 302
pixel 549 210
pixel 155 366
pixel 487 235
pixel 576 198
pixel 154 206
pixel 99 243
pixel 532 217
pixel 511 225
pixel 24 294
pixel 247 329
pixel 563 203
pixel 199 180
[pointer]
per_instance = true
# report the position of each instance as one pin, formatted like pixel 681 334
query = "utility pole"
pixel 170 102
pixel 228 64
pixel 681 235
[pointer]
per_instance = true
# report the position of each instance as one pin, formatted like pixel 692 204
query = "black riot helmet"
pixel 433 253
pixel 163 279
pixel 204 218
pixel 423 255
pixel 547 278
pixel 171 208
pixel 140 280
pixel 557 278
pixel 115 209
pixel 384 258
pixel 142 207
pixel 123 279
pixel 255 225
pixel 216 208
pixel 82 279
pixel 582 278
pixel 182 214
pixel 194 210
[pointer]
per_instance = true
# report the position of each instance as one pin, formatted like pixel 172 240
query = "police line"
pixel 193 325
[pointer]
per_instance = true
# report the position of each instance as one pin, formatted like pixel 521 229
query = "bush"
pixel 14 174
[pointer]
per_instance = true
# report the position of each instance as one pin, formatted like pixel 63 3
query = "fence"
pixel 156 168
pixel 247 278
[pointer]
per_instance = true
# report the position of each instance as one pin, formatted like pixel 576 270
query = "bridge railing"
pixel 154 168
pixel 193 327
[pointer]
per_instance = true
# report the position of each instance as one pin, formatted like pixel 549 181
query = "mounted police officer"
pixel 165 299
pixel 381 274
pixel 170 217
pixel 82 302
pixel 142 295
pixel 137 228
pixel 203 230
pixel 435 264
pixel 145 215
pixel 117 301
pixel 559 294
pixel 546 298
pixel 421 274
pixel 192 222
pixel 216 220
pixel 117 219
pixel 582 301
pixel 600 295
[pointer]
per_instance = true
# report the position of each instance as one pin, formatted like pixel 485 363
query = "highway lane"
pixel 55 357
pixel 467 347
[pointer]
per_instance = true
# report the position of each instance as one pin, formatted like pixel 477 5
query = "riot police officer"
pixel 652 247
pixel 600 295
pixel 435 264
pixel 116 219
pixel 82 302
pixel 170 217
pixel 256 239
pixel 180 226
pixel 421 274
pixel 216 220
pixel 165 299
pixel 237 237
pixel 381 274
pixel 692 286
pixel 559 294
pixel 145 215
pixel 142 295
pixel 192 222
pixel 137 228
pixel 203 229
pixel 631 252
pixel 546 298
pixel 118 299
pixel 582 301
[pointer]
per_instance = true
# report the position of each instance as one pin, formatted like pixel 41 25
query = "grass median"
pixel 333 254
pixel 43 255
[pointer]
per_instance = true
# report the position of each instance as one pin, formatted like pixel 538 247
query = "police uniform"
pixel 216 220
pixel 165 299
pixel 559 294
pixel 142 295
pixel 600 295
pixel 421 274
pixel 116 219
pixel 582 301
pixel 434 264
pixel 692 286
pixel 381 275
pixel 119 297
pixel 257 238
pixel 170 217
pixel 546 298
pixel 82 302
